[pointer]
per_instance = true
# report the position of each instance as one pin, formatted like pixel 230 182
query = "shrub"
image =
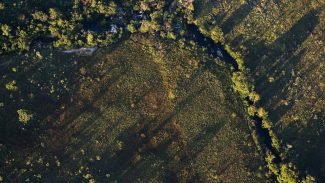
pixel 287 174
pixel 275 141
pixel 261 112
pixel 266 124
pixel 270 165
pixel 23 116
pixel 240 84
pixel 5 29
pixel 22 40
pixel 254 97
pixel 90 39
pixel 54 14
pixel 309 179
pixel 251 110
pixel 217 35
pixel 171 35
pixel 38 15
pixel 131 28
pixel 2 7
pixel 145 26
pixel 11 86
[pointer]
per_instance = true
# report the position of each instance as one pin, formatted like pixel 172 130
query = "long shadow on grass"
pixel 43 103
pixel 284 46
pixel 48 72
pixel 274 59
pixel 122 165
pixel 309 141
pixel 238 16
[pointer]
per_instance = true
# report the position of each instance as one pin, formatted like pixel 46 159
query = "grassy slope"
pixel 282 44
pixel 143 111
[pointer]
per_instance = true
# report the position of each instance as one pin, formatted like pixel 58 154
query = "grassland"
pixel 177 91
pixel 281 43
pixel 143 110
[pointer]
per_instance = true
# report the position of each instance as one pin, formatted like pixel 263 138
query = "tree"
pixel 5 29
pixel 23 116
pixel 217 35
pixel 131 28
pixel 90 39
pixel 2 6
pixel 287 174
pixel 11 86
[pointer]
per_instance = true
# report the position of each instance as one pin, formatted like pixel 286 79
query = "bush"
pixel 287 174
pixel 147 26
pixel 38 15
pixel 309 179
pixel 23 116
pixel 171 35
pixel 273 168
pixel 2 7
pixel 266 124
pixel 217 35
pixel 131 28
pixel 251 110
pixel 262 113
pixel 11 86
pixel 5 29
pixel 240 84
pixel 90 39
pixel 254 97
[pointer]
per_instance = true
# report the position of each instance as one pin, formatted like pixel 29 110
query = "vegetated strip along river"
pixel 217 50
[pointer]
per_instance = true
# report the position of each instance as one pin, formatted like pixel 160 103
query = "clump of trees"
pixel 66 22
pixel 285 172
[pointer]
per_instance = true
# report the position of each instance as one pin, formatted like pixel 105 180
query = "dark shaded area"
pixel 280 56
pixel 280 60
pixel 211 48
pixel 282 49
pixel 238 16
pixel 216 50
pixel 17 135
pixel 203 138
pixel 266 139
pixel 309 141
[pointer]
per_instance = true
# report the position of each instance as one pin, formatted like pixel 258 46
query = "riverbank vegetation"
pixel 282 51
pixel 243 83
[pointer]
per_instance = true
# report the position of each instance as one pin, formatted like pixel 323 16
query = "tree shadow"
pixel 279 57
pixel 51 72
pixel 284 46
pixel 201 140
pixel 238 16
pixel 281 85
pixel 308 142
pixel 18 137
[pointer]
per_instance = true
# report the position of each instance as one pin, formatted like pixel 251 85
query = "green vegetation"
pixel 23 116
pixel 143 113
pixel 11 86
pixel 283 53
pixel 153 98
